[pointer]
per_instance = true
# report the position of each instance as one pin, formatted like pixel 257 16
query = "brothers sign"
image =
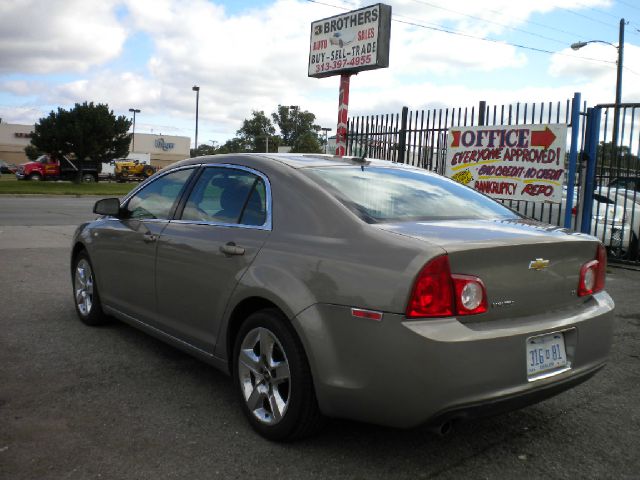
pixel 514 162
pixel 350 42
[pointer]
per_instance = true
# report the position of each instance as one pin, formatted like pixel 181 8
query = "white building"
pixel 163 149
pixel 13 138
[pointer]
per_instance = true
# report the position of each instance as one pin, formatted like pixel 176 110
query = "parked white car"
pixel 614 223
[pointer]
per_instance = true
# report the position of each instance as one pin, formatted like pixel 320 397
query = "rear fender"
pixel 275 285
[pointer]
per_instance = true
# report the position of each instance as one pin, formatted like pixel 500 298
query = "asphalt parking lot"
pixel 111 402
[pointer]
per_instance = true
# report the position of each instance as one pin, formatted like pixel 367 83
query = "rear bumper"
pixel 405 373
pixel 495 406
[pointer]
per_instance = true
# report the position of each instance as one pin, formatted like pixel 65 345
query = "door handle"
pixel 149 238
pixel 231 249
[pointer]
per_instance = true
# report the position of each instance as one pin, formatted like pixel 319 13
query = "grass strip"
pixel 12 186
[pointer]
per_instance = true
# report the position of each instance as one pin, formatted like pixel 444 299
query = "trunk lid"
pixel 527 267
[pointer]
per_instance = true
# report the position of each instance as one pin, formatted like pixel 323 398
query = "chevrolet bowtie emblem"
pixel 538 264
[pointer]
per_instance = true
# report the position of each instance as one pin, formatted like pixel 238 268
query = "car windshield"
pixel 381 194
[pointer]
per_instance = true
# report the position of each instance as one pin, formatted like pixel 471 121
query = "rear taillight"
pixel 593 274
pixel 438 293
pixel 432 294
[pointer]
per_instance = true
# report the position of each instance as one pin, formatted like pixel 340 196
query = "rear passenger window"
pixel 227 196
pixel 255 212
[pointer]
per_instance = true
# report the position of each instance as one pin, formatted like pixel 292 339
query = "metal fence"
pixel 419 138
pixel 617 181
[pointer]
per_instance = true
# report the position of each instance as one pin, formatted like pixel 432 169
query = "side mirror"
pixel 107 206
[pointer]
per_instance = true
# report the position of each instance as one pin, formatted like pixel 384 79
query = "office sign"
pixel 510 162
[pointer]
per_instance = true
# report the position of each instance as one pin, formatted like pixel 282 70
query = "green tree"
pixel 204 149
pixel 235 145
pixel 86 131
pixel 297 129
pixel 255 131
pixel 32 152
pixel 606 156
pixel 307 143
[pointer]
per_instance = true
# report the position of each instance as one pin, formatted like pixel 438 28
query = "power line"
pixel 588 18
pixel 608 14
pixel 634 28
pixel 539 24
pixel 491 22
pixel 628 5
pixel 624 67
pixel 501 42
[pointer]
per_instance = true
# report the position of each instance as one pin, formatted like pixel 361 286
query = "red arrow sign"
pixel 456 138
pixel 542 138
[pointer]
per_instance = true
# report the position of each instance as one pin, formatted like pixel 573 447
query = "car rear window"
pixel 381 194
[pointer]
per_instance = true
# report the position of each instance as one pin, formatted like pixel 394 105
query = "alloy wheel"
pixel 265 378
pixel 83 287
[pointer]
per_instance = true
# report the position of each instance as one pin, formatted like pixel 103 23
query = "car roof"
pixel 294 160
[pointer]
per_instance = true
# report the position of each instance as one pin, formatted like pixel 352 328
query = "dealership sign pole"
pixel 345 45
pixel 343 115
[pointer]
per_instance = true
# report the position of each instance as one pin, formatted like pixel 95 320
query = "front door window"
pixel 158 199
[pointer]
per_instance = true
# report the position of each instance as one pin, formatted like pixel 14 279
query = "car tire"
pixel 85 292
pixel 148 172
pixel 36 177
pixel 275 386
pixel 87 178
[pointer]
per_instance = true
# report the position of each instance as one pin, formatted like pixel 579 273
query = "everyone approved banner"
pixel 510 162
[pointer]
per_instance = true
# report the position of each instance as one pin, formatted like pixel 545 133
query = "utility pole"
pixel 196 89
pixel 133 137
pixel 326 137
pixel 616 118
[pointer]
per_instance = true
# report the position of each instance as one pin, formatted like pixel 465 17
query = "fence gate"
pixel 612 180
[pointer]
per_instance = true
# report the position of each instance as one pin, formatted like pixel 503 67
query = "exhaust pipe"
pixel 443 429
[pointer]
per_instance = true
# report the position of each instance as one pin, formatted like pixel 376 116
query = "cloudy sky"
pixel 253 54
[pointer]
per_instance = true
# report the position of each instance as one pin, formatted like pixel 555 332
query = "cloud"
pixel 21 115
pixel 257 59
pixel 58 35
pixel 18 87
pixel 594 68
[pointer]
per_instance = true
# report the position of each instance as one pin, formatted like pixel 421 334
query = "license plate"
pixel 545 353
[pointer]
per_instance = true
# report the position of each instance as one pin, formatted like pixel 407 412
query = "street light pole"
pixel 616 119
pixel 133 137
pixel 293 118
pixel 196 89
pixel 326 138
pixel 618 102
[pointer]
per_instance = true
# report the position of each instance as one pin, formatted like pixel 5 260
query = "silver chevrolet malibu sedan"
pixel 349 288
